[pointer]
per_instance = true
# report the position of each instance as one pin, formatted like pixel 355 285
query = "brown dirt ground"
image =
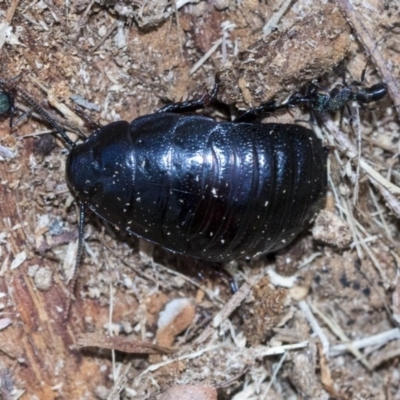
pixel 316 321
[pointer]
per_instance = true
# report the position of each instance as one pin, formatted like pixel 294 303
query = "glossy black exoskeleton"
pixel 216 191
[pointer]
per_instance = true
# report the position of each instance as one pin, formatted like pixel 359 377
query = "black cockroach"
pixel 216 191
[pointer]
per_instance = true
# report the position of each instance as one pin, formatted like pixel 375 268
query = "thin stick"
pixel 380 339
pixel 7 21
pixel 229 307
pixel 276 17
pixel 110 30
pixel 206 56
pixel 274 375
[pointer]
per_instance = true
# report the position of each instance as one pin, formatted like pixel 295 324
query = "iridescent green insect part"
pixel 6 103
